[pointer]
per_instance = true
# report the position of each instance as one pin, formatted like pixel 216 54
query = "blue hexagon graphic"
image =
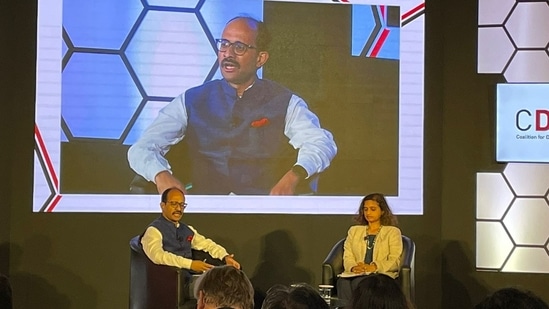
pixel 170 53
pixel 144 120
pixel 98 96
pixel 218 13
pixel 100 23
pixel 173 3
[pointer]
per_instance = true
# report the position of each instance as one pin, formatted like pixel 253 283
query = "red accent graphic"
pixel 53 203
pixel 46 157
pixel 50 171
pixel 380 42
pixel 413 11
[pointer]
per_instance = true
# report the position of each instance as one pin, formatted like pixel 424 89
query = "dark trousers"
pixel 206 257
pixel 346 286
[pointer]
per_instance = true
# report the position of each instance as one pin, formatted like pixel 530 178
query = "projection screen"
pixel 105 69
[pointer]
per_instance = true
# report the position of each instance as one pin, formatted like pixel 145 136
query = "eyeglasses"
pixel 175 204
pixel 239 48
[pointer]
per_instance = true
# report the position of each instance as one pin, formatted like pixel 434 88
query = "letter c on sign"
pixel 517 120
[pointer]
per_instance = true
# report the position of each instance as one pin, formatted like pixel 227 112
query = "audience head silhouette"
pixel 224 287
pixel 512 298
pixel 379 292
pixel 5 292
pixel 297 296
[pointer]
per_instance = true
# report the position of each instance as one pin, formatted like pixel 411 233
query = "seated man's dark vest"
pixel 174 240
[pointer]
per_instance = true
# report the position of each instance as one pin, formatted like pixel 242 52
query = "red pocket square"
pixel 260 122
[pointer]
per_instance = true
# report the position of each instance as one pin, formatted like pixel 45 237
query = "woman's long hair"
pixel 387 218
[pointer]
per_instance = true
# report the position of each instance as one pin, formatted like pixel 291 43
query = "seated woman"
pixel 379 291
pixel 372 246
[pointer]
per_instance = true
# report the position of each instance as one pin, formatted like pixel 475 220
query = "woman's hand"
pixel 359 268
pixel 370 268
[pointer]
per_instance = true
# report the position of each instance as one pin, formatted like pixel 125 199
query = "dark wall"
pixel 6 139
pixel 468 147
pixel 81 260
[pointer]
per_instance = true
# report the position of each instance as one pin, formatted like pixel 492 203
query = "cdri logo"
pixel 523 120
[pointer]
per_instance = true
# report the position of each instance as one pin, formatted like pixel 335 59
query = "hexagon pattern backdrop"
pixel 512 206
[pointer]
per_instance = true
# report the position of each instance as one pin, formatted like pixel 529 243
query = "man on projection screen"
pixel 242 131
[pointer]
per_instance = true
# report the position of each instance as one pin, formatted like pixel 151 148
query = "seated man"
pixel 169 242
pixel 224 287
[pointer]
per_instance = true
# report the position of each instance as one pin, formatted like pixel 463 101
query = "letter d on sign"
pixel 542 114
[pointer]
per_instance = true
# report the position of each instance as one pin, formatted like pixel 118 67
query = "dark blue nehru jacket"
pixel 237 144
pixel 174 240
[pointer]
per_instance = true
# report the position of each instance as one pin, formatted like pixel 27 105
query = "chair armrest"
pixel 157 286
pixel 328 274
pixel 406 283
pixel 333 263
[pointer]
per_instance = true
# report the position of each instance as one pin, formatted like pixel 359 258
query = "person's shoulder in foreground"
pixel 379 291
pixel 224 287
pixel 512 298
pixel 297 296
pixel 5 292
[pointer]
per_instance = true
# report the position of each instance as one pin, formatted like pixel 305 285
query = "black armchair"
pixel 333 265
pixel 157 286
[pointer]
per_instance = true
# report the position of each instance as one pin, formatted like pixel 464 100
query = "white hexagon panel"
pixel 488 61
pixel 528 24
pixel 494 12
pixel 528 66
pixel 522 232
pixel 527 260
pixel 528 179
pixel 493 245
pixel 525 24
pixel 495 198
pixel 527 221
pixel 513 40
